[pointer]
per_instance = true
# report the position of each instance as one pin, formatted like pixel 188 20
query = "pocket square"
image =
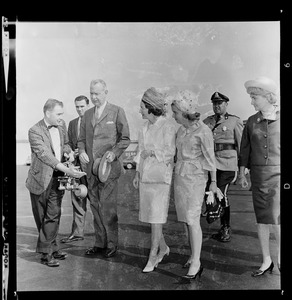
pixel 109 122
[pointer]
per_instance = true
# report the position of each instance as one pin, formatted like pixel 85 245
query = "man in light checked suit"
pixel 49 142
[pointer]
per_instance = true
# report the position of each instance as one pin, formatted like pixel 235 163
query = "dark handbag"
pixel 214 210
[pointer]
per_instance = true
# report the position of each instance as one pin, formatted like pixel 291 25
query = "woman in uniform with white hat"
pixel 260 152
pixel 156 150
pixel 195 159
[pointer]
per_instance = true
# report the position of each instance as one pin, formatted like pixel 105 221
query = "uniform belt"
pixel 224 146
pixel 58 173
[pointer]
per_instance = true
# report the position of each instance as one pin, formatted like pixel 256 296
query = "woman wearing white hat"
pixel 260 152
pixel 195 159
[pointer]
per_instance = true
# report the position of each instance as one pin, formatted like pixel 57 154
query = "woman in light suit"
pixel 154 171
pixel 195 159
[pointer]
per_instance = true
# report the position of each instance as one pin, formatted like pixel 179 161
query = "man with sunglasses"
pixel 227 131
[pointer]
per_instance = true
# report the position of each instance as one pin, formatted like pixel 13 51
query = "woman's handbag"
pixel 214 207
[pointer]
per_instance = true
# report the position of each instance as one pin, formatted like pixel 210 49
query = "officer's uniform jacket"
pixel 227 133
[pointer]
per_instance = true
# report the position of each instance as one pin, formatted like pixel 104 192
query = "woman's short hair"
pixel 51 103
pixel 191 117
pixel 153 110
pixel 271 97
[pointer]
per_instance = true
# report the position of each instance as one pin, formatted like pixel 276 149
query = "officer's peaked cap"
pixel 219 97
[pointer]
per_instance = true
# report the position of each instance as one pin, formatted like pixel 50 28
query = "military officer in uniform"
pixel 227 131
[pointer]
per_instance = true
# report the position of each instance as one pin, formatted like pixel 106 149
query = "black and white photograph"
pixel 148 155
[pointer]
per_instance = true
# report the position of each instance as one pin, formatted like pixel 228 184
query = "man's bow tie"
pixel 50 126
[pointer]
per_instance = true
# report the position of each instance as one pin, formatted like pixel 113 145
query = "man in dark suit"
pixel 79 204
pixel 49 143
pixel 103 127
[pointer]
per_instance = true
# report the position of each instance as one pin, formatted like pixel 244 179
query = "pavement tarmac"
pixel 227 266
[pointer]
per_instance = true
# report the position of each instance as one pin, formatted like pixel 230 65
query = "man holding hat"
pixel 104 135
pixel 227 131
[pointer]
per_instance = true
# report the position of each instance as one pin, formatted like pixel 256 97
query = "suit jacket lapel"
pixel 74 131
pixel 61 128
pixel 104 113
pixel 47 133
pixel 76 127
pixel 91 113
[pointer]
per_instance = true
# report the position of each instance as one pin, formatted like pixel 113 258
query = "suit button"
pixel 265 135
pixel 266 146
pixel 266 157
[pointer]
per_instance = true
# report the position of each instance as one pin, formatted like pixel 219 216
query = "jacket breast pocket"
pixel 109 128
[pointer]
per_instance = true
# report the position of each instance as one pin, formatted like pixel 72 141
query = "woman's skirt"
pixel 189 191
pixel 265 181
pixel 154 202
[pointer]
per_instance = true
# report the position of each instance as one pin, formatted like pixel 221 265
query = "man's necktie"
pixel 78 126
pixel 50 126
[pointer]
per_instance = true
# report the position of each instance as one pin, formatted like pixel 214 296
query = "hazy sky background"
pixel 58 60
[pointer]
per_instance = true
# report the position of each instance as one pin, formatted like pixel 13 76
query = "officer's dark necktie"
pixel 217 119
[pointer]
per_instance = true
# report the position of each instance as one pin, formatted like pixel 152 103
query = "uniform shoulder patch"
pixel 233 116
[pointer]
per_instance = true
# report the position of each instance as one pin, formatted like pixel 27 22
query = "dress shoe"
pixel 260 272
pixel 60 255
pixel 49 261
pixel 110 252
pixel 151 264
pixel 161 254
pixel 72 238
pixel 94 250
pixel 193 277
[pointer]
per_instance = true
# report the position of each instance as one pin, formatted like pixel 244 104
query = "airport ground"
pixel 227 266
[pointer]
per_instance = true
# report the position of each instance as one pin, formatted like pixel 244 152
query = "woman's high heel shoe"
pixel 260 272
pixel 187 264
pixel 151 264
pixel 162 254
pixel 193 277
